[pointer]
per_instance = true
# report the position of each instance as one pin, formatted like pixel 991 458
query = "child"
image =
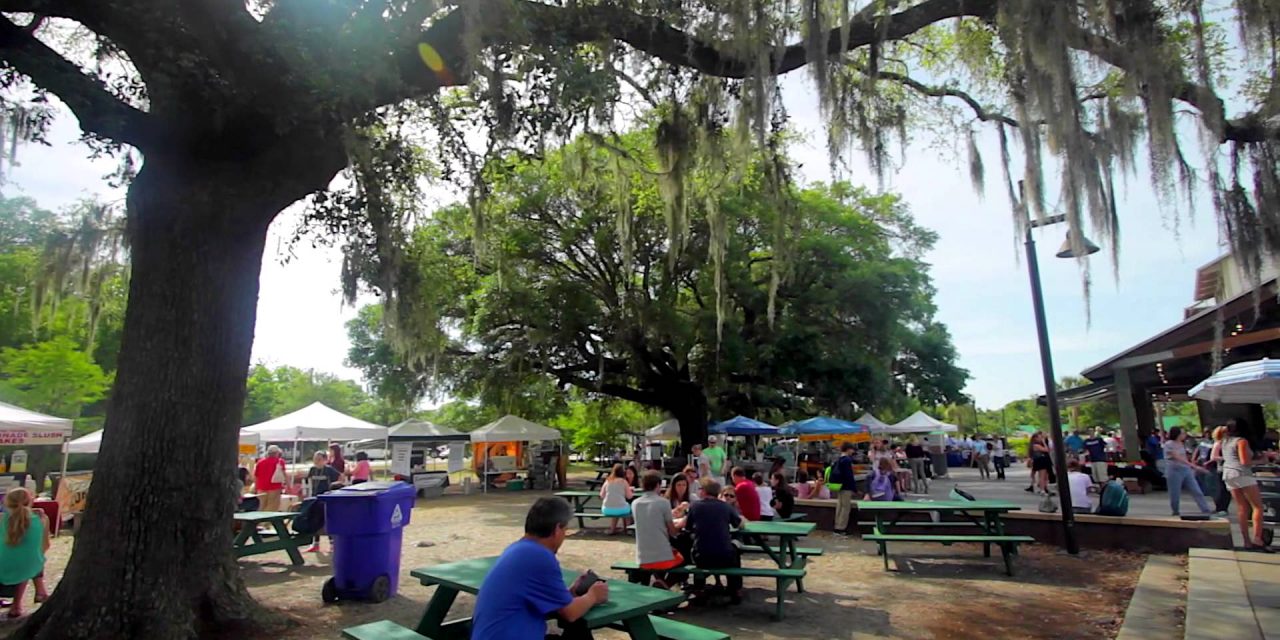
pixel 802 487
pixel 765 493
pixel 616 495
pixel 730 497
pixel 883 481
pixel 24 539
pixel 363 471
pixel 820 489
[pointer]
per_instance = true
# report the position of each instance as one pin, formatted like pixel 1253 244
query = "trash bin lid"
pixel 367 490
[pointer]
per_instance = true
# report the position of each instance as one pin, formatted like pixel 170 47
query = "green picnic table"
pixel 784 553
pixel 580 499
pixel 249 541
pixel 989 522
pixel 627 609
pixel 984 515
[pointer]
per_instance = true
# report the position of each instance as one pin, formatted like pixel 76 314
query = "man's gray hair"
pixel 545 515
pixel 273 449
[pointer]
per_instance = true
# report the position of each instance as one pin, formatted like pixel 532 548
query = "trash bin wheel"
pixel 329 592
pixel 1268 535
pixel 381 589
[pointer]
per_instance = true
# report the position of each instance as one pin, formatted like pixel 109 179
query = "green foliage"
pixel 54 377
pixel 275 392
pixel 390 379
pixel 569 283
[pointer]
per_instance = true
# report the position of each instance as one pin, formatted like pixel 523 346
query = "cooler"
pixel 366 522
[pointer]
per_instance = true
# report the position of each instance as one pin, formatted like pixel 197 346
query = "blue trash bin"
pixel 366 522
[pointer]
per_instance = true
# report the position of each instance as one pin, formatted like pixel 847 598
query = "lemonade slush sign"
pixel 23 437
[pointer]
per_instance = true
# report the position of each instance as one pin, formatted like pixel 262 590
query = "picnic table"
pixel 580 499
pixel 784 553
pixel 628 607
pixel 984 515
pixel 249 541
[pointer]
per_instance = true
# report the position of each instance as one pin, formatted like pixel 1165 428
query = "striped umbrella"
pixel 1254 382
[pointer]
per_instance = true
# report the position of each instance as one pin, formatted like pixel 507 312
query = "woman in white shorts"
pixel 1237 474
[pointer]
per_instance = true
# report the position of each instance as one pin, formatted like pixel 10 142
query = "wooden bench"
pixel 1008 544
pixel 794 517
pixel 382 630
pixel 782 577
pixel 669 629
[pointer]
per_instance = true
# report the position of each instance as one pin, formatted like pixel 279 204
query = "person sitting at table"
pixel 765 494
pixel 710 521
pixel 678 495
pixel 525 585
pixel 656 525
pixel 802 488
pixel 883 484
pixel 1080 484
pixel 616 494
pixel 783 502
pixel 821 491
pixel 748 499
pixel 692 474
pixel 363 471
pixel 633 480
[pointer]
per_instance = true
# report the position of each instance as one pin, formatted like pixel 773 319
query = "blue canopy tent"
pixel 743 426
pixel 820 426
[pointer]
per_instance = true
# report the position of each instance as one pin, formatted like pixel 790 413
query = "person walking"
pixel 1180 473
pixel 843 475
pixel 1095 450
pixel 1237 474
pixel 1040 463
pixel 716 458
pixel 915 460
pixel 982 452
pixel 1221 497
pixel 998 456
pixel 24 539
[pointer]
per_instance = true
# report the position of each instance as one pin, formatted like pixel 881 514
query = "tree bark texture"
pixel 153 558
pixel 687 402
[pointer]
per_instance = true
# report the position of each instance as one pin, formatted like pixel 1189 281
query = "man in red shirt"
pixel 269 479
pixel 748 499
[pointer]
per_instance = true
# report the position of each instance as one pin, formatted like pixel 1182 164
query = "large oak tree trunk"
pixel 687 403
pixel 153 558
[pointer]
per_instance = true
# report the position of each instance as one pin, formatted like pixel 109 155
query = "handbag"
pixel 278 476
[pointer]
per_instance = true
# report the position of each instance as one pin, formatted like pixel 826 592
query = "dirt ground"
pixel 934 591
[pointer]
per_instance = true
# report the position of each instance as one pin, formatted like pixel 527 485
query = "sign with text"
pixel 24 437
pixel 400 454
pixel 73 492
pixel 456 450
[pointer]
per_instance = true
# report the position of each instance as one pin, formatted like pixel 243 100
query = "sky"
pixel 983 294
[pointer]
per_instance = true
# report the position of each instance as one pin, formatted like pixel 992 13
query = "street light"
pixel 1046 365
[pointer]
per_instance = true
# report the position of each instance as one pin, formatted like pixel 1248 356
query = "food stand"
pixel 818 440
pixel 21 428
pixel 750 429
pixel 414 443
pixel 500 450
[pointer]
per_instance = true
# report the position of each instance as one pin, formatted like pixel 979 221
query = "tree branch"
pixel 98 111
pixel 947 92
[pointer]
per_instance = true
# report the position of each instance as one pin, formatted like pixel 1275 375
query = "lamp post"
pixel 1046 366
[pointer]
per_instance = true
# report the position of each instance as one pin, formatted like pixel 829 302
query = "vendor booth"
pixel 504 448
pixel 415 444
pixel 23 428
pixel 749 454
pixel 315 423
pixel 873 423
pixel 818 440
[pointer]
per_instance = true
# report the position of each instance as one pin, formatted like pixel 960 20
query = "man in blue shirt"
pixel 842 474
pixel 525 586
pixel 1075 444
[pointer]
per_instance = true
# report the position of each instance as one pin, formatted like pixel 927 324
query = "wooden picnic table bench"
pixel 249 541
pixel 990 527
pixel 669 629
pixel 628 607
pixel 782 577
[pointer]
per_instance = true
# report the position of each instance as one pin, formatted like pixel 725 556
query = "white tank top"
pixel 615 494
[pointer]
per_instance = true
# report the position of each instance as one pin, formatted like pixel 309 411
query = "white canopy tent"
pixel 424 431
pixel 666 430
pixel 873 423
pixel 316 423
pixel 92 442
pixel 921 422
pixel 510 428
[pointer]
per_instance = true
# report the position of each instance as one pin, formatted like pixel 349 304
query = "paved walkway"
pixel 1154 504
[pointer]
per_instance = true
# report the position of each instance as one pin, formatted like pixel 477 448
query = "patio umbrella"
pixel 1254 382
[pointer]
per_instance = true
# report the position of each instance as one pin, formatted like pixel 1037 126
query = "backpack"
pixel 1114 500
pixel 310 518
